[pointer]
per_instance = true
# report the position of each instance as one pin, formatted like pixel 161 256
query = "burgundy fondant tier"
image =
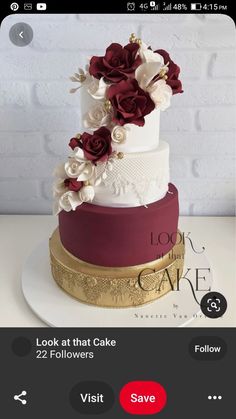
pixel 117 237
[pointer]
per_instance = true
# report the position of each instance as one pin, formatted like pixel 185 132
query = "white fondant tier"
pixel 139 139
pixel 137 179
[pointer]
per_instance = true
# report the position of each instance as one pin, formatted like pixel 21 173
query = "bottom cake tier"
pixel 121 237
pixel 115 287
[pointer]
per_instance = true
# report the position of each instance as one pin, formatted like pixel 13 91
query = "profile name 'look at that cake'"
pixel 117 244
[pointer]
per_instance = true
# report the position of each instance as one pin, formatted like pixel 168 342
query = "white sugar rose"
pixel 78 167
pixel 119 134
pixel 97 88
pixel 86 193
pixel 160 93
pixel 73 168
pixel 69 201
pixel 149 56
pixel 97 117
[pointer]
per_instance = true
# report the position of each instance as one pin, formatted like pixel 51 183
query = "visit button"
pixel 143 397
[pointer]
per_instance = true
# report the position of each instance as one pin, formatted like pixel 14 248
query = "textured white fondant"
pixel 138 138
pixel 137 179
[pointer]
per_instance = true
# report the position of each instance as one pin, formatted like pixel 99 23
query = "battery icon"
pixel 196 6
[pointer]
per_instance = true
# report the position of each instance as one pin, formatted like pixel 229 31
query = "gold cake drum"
pixel 114 287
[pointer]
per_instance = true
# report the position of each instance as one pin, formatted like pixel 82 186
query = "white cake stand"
pixel 56 308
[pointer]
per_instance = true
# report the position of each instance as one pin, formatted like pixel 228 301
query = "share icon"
pixel 18 397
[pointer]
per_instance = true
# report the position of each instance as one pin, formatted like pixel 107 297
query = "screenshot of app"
pixel 117 210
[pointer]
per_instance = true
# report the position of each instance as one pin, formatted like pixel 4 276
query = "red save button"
pixel 143 397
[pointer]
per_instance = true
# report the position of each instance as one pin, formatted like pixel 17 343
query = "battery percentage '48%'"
pixel 180 6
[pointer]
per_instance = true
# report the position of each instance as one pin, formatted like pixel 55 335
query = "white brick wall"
pixel 38 115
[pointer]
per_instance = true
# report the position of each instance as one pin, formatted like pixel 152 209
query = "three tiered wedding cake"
pixel 118 243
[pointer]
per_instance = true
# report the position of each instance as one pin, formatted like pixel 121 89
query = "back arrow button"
pixel 21 34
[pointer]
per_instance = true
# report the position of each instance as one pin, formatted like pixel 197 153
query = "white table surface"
pixel 19 234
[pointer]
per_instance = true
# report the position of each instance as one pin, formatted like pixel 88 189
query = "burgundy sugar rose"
pixel 130 102
pixel 96 146
pixel 74 142
pixel 118 63
pixel 73 184
pixel 173 72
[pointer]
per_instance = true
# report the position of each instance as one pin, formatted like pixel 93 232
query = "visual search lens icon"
pixel 18 397
pixel 213 305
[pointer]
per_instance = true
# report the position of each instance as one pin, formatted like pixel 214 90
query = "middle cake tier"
pixel 136 179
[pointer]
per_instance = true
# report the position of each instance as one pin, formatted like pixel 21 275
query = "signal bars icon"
pixel 168 7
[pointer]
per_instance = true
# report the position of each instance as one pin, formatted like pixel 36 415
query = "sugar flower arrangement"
pixel 126 84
